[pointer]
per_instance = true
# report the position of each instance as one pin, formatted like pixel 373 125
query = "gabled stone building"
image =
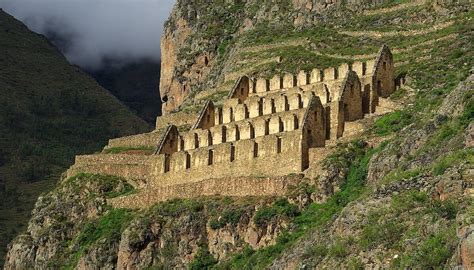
pixel 265 129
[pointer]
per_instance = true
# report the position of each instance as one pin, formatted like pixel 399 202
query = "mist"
pixel 92 33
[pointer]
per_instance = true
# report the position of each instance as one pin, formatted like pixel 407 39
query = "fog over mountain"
pixel 90 32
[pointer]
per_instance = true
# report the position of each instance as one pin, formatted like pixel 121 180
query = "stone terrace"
pixel 264 130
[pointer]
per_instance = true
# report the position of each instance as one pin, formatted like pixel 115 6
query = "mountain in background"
pixel 50 111
pixel 134 84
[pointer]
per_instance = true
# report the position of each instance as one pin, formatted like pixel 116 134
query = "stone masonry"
pixel 264 130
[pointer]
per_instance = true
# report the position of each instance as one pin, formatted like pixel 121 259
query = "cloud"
pixel 91 31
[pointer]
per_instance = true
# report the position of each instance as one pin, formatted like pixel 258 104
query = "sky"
pixel 90 31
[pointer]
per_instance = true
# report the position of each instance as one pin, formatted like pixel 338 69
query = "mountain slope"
pixel 134 84
pixel 399 195
pixel 49 112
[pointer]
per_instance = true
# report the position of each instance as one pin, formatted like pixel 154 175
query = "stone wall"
pixel 177 119
pixel 244 129
pixel 135 168
pixel 230 186
pixel 141 140
pixel 153 138
pixel 271 155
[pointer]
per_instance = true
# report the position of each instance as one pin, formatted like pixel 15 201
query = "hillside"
pixel 396 192
pixel 50 111
pixel 134 84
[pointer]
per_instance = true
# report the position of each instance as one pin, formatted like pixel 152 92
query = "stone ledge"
pixel 233 187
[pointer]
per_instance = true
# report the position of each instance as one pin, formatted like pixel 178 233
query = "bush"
pixel 202 260
pixel 381 232
pixel 339 249
pixel 228 217
pixel 316 252
pixel 392 122
pixel 447 209
pixel 280 208
pixel 409 200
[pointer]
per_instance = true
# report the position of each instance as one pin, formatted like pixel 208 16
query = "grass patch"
pixel 399 174
pixel 202 260
pixel 109 185
pixel 231 216
pixel 108 227
pixel 280 208
pixel 442 164
pixel 379 231
pixel 392 122
pixel 433 253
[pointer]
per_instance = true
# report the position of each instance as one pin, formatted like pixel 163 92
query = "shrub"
pixel 280 208
pixel 380 232
pixel 202 260
pixel 409 200
pixel 228 217
pixel 339 249
pixel 316 252
pixel 447 209
pixel 392 122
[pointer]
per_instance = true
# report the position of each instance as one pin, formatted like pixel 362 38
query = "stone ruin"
pixel 264 131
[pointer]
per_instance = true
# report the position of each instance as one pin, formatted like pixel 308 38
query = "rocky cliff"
pixel 397 194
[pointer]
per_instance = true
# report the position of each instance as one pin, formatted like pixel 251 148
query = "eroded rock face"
pixel 73 226
pixel 56 219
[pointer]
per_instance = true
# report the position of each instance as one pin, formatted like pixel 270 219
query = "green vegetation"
pixel 314 217
pixel 98 184
pixel 432 253
pixel 380 231
pixel 117 150
pixel 108 227
pixel 280 208
pixel 451 159
pixel 316 252
pixel 401 174
pixel 203 260
pixel 339 249
pixel 392 122
pixel 231 216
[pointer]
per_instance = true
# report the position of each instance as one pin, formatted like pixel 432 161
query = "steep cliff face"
pixel 73 226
